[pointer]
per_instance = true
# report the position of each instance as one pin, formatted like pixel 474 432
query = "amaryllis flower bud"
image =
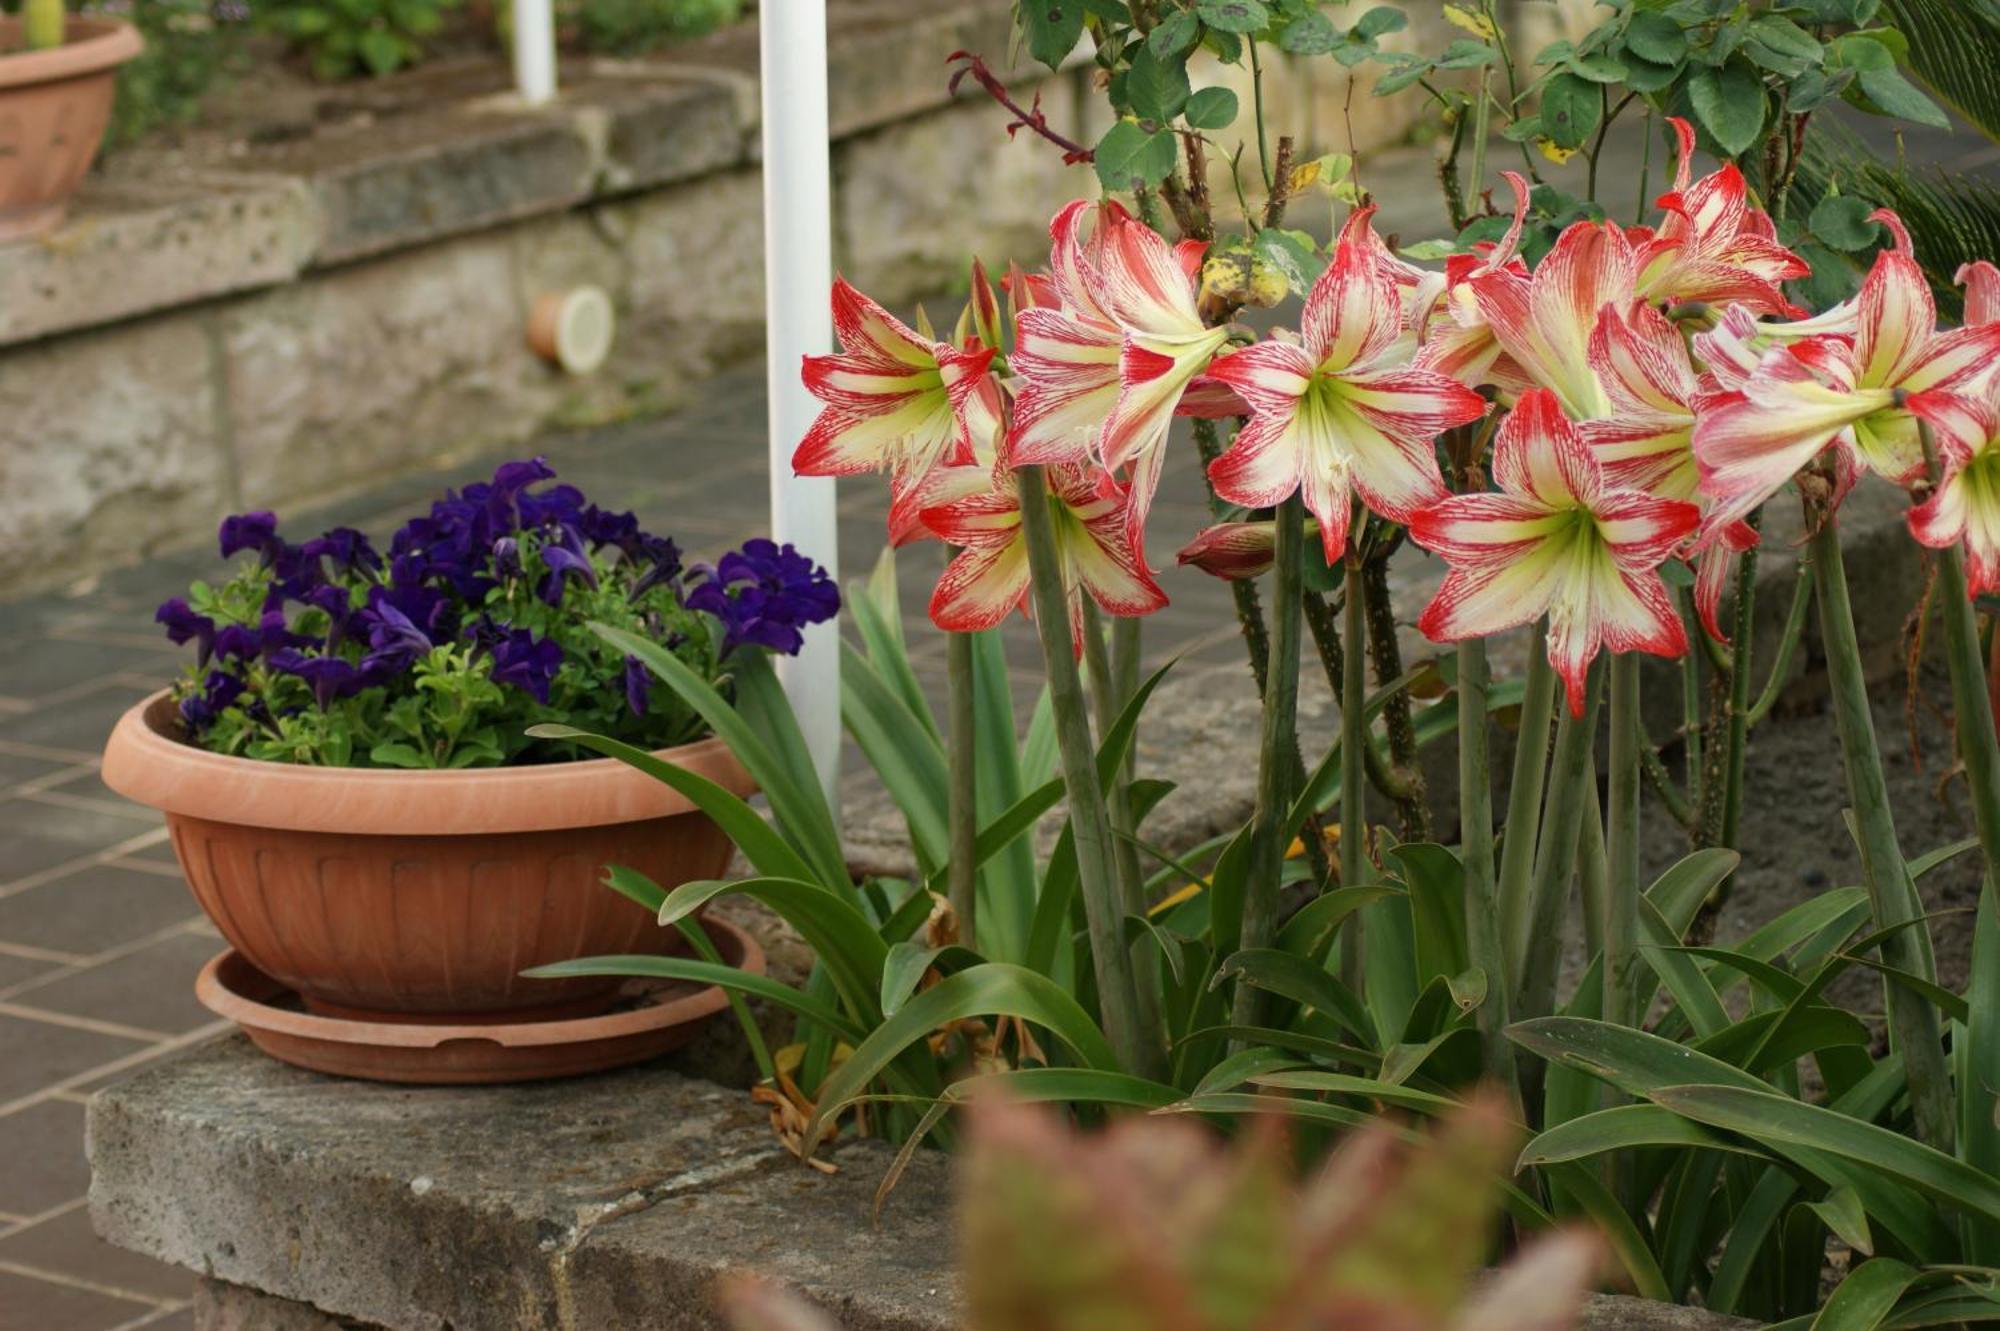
pixel 1233 550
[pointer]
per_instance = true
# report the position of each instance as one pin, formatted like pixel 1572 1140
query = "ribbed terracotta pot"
pixel 422 896
pixel 54 105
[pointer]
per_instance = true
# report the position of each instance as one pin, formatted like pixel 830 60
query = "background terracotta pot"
pixel 392 894
pixel 54 105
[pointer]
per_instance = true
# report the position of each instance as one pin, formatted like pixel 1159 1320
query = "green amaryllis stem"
pixel 962 812
pixel 1913 1021
pixel 1113 677
pixel 42 24
pixel 1354 742
pixel 1524 807
pixel 1279 739
pixel 1555 857
pixel 1475 840
pixel 1742 629
pixel 1979 752
pixel 1691 698
pixel 1621 840
pixel 1788 645
pixel 1090 828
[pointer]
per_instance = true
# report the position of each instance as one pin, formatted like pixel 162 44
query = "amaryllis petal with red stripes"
pixel 1545 322
pixel 989 576
pixel 1646 443
pixel 1555 540
pixel 895 401
pixel 1333 416
pixel 1965 507
pixel 1713 247
pixel 1819 392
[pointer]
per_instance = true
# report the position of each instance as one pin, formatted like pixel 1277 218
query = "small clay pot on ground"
pixel 54 105
pixel 391 895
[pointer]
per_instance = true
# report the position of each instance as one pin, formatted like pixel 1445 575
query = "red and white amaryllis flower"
pixel 1066 348
pixel 1555 539
pixel 1966 507
pixel 898 402
pixel 1149 289
pixel 1337 413
pixel 1545 322
pixel 1069 351
pixel 1712 246
pixel 1454 334
pixel 1865 398
pixel 989 576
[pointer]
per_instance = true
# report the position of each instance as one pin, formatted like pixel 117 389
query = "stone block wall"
pixel 307 316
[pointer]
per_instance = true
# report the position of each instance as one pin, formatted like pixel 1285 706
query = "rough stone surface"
pixel 379 367
pixel 605 1204
pixel 110 447
pixel 137 246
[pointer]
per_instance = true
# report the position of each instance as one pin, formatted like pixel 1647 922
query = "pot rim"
pixel 99 45
pixel 143 763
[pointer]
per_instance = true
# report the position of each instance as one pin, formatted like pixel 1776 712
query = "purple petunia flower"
pixel 638 686
pixel 564 558
pixel 663 559
pixel 394 640
pixel 557 506
pixel 347 549
pixel 525 661
pixel 331 677
pixel 765 594
pixel 251 531
pixel 200 708
pixel 183 625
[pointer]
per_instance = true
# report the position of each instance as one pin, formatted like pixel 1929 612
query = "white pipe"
pixel 798 274
pixel 535 51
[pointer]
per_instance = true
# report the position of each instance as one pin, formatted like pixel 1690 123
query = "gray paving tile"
pixel 39 667
pixel 24 853
pixel 87 827
pixel 43 1164
pixel 152 988
pixel 15 768
pixel 29 1304
pixel 14 970
pixel 79 725
pixel 67 1246
pixel 37 1054
pixel 95 909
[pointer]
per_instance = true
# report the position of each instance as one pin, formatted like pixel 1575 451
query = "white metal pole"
pixel 535 50
pixel 798 274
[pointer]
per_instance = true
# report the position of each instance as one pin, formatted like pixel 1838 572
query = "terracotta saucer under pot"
pixel 653 1017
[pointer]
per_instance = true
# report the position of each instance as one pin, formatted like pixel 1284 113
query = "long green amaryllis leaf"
pixel 795 798
pixel 838 933
pixel 1787 1125
pixel 995 989
pixel 771 853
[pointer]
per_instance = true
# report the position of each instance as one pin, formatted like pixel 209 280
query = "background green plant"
pixel 343 38
pixel 192 47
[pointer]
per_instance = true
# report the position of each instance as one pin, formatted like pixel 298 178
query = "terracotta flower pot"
pixel 422 896
pixel 54 105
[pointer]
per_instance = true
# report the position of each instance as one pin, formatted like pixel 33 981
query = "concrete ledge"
pixel 608 1204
